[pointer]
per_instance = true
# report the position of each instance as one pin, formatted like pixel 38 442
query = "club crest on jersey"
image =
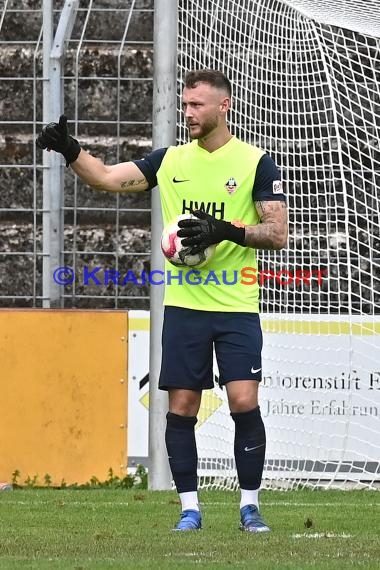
pixel 231 185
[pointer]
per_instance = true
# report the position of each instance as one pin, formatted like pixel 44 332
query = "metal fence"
pixel 103 69
pixel 103 66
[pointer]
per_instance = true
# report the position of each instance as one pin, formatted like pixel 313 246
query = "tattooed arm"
pixel 272 232
pixel 122 177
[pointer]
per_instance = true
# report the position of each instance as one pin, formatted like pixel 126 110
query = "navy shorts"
pixel 188 339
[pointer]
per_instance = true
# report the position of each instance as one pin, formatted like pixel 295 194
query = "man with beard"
pixel 235 192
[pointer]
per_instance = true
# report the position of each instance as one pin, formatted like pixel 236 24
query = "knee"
pixel 240 403
pixel 242 395
pixel 184 403
pixel 183 409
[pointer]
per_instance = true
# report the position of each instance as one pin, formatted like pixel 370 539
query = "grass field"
pixel 85 529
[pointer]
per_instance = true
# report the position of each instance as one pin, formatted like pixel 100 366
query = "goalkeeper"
pixel 236 192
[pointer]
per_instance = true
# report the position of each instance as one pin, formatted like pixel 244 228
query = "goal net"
pixel 306 77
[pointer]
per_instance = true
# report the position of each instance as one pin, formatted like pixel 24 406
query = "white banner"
pixel 319 397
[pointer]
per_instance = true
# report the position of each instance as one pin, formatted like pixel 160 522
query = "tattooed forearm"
pixel 272 232
pixel 261 237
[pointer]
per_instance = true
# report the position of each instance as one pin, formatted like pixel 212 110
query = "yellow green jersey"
pixel 220 183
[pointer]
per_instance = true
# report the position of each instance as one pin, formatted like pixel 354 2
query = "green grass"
pixel 101 529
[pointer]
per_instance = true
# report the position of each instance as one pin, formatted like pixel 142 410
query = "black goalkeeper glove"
pixel 206 230
pixel 55 136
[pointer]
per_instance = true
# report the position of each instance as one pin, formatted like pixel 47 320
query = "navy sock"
pixel 182 451
pixel 249 447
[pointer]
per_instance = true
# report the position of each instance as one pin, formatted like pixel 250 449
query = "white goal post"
pixel 306 77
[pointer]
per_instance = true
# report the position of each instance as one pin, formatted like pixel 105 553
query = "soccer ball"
pixel 178 254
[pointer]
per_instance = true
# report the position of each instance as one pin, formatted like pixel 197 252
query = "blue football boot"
pixel 190 520
pixel 251 521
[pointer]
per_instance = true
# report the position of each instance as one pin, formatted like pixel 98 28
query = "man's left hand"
pixel 205 230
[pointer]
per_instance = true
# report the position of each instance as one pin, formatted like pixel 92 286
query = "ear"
pixel 225 104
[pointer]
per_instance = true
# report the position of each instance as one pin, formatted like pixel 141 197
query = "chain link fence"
pixel 107 86
pixel 107 82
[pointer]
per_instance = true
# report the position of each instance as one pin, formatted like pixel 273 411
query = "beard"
pixel 202 131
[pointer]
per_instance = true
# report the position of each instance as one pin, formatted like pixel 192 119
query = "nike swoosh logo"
pixel 254 370
pixel 177 181
pixel 252 448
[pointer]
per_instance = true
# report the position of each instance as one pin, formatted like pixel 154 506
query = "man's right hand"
pixel 55 136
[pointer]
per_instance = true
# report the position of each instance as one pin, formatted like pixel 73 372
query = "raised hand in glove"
pixel 204 230
pixel 55 136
